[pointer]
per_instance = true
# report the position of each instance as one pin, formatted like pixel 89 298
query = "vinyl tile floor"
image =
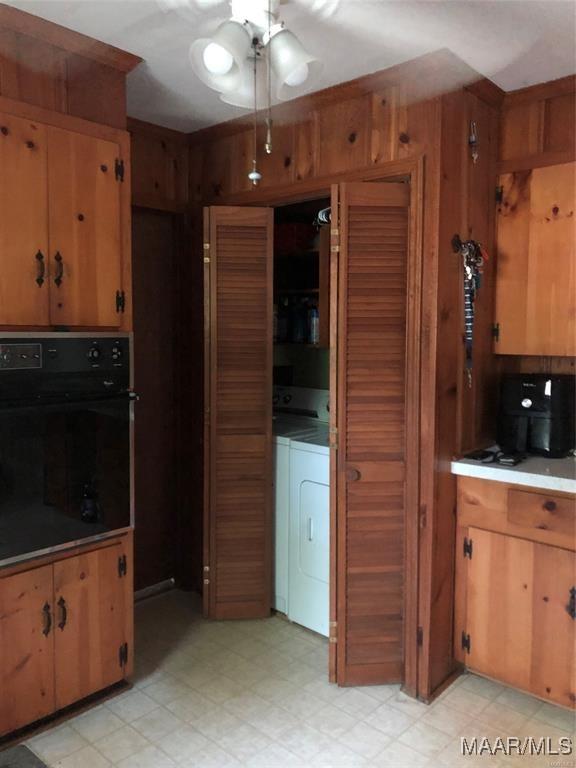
pixel 255 693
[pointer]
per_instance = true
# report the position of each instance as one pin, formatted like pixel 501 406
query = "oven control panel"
pixel 66 354
pixel 20 356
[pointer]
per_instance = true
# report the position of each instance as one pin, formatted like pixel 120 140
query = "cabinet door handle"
pixel 63 613
pixel 59 269
pixel 549 505
pixel 353 475
pixel 41 268
pixel 571 607
pixel 47 618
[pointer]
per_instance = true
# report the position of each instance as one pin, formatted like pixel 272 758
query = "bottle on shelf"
pixel 313 325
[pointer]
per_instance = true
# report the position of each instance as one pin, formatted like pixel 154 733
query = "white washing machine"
pixel 302 515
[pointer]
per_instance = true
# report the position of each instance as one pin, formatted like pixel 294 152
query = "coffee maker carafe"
pixel 537 414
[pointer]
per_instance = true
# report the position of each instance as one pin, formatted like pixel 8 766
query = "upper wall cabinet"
pixel 61 227
pixel 536 249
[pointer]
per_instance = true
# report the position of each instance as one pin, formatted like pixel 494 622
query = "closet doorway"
pixel 373 329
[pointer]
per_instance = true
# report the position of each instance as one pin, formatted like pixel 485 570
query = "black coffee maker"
pixel 537 414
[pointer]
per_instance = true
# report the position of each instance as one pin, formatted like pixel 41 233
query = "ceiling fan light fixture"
pixel 219 61
pixel 243 94
pixel 293 66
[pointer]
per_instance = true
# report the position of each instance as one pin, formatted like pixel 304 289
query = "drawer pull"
pixel 63 613
pixel 47 618
pixel 549 505
pixel 571 607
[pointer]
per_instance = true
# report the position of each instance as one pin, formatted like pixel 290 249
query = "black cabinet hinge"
pixel 465 642
pixel 120 301
pixel 420 637
pixel 122 566
pixel 123 655
pixel 467 548
pixel 499 194
pixel 119 169
pixel 571 607
pixel 496 331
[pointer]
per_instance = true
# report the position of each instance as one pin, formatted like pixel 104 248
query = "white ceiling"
pixel 513 42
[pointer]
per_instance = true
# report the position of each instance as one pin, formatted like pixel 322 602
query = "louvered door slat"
pixel 371 431
pixel 239 400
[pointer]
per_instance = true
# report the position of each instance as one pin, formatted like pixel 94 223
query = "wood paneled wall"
pixel 361 124
pixel 159 167
pixel 52 67
pixel 538 128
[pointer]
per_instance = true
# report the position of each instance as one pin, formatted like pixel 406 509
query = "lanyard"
pixel 473 259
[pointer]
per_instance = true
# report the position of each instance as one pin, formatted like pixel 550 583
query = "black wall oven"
pixel 66 435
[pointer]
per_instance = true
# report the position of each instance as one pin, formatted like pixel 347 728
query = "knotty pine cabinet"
pixel 536 273
pixel 65 631
pixel 515 587
pixel 63 218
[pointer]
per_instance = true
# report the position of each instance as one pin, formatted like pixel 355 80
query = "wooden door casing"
pixel 90 623
pixel 238 262
pixel 85 229
pixel 371 424
pixel 536 279
pixel 26 648
pixel 24 279
pixel 516 597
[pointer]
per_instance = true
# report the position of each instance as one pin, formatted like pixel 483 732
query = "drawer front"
pixel 543 512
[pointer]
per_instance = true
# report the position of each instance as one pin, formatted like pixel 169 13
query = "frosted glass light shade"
pixel 220 61
pixel 293 66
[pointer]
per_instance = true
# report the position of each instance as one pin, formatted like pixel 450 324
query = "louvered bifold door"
pixel 238 261
pixel 372 311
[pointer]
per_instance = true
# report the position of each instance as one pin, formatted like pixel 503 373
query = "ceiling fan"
pixel 253 37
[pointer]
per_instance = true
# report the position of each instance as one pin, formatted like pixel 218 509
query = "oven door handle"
pixel 51 402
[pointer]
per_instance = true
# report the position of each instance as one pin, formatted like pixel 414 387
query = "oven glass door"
pixel 64 472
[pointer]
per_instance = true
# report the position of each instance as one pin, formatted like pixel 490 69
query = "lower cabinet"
pixel 65 632
pixel 516 611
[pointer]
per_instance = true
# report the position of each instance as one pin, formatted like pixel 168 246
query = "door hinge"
pixel 467 547
pixel 123 655
pixel 499 196
pixel 122 566
pixel 496 331
pixel 335 249
pixel 206 253
pixel 420 637
pixel 120 301
pixel 119 169
pixel 465 642
pixel 333 631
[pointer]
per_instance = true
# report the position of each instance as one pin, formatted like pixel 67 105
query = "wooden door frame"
pixel 411 169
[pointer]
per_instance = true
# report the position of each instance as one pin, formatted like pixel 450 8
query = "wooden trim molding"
pixel 66 39
pixel 564 86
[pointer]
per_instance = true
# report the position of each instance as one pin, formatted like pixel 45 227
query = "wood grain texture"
pixel 373 225
pixel 85 229
pixel 536 280
pixel 155 251
pixel 239 403
pixel 26 653
pixel 87 645
pixel 23 222
pixel 517 511
pixel 520 631
pixel 160 170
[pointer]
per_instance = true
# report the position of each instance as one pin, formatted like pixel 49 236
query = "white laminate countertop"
pixel 535 471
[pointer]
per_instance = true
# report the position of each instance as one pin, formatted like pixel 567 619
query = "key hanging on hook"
pixel 473 142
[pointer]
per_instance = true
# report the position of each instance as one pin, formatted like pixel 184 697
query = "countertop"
pixel 535 471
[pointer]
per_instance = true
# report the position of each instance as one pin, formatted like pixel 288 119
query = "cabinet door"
pixel 536 248
pixel 517 618
pixel 23 222
pixel 89 627
pixel 26 648
pixel 85 230
pixel 238 426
